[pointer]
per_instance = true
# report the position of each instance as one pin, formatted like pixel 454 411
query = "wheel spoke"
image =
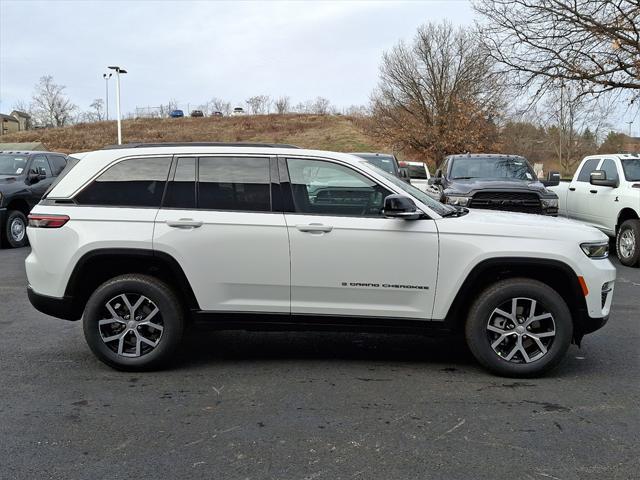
pixel 135 306
pixel 493 328
pixel 514 308
pixel 144 339
pixel 541 346
pixel 112 311
pixel 543 334
pixel 524 353
pixel 500 339
pixel 532 309
pixel 113 337
pixel 513 351
pixel 109 321
pixel 504 314
pixel 127 303
pixel 152 325
pixel 151 315
pixel 121 344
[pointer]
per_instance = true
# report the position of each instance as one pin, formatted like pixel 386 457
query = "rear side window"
pixel 58 162
pixel 589 166
pixel 136 182
pixel 234 183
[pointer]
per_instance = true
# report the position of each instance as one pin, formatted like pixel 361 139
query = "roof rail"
pixel 198 144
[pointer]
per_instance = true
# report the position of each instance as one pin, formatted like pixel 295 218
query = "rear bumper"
pixel 63 308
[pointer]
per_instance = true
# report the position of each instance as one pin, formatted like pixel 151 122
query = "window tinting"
pixel 326 188
pixel 609 166
pixel 58 162
pixel 234 183
pixel 137 182
pixel 40 164
pixel 417 171
pixel 588 167
pixel 181 191
pixel 631 169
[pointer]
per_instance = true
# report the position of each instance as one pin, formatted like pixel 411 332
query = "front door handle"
pixel 593 191
pixel 572 189
pixel 185 223
pixel 315 228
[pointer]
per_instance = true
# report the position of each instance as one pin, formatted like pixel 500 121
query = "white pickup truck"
pixel 605 193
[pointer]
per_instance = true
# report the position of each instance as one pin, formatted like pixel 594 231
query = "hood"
pixel 506 184
pixel 520 225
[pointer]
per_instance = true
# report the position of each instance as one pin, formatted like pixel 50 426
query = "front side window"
pixel 589 166
pixel 41 165
pixel 631 169
pixel 234 183
pixel 609 167
pixel 136 182
pixel 325 188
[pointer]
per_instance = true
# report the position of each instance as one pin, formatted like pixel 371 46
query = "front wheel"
pixel 519 328
pixel 133 323
pixel 627 243
pixel 16 229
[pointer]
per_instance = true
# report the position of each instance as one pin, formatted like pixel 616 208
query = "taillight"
pixel 47 221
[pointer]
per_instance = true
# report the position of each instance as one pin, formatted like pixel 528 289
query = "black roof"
pixel 199 144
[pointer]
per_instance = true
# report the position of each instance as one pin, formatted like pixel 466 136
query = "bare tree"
pixel 218 105
pixel 98 109
pixel 282 105
pixel 593 45
pixel 258 104
pixel 50 104
pixel 321 106
pixel 438 95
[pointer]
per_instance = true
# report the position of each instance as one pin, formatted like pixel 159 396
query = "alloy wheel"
pixel 17 229
pixel 131 326
pixel 521 330
pixel 627 243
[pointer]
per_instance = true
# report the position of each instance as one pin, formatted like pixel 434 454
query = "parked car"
pixel 388 163
pixel 418 174
pixel 24 178
pixel 238 111
pixel 197 113
pixel 176 114
pixel 494 182
pixel 148 239
pixel 605 193
pixel 216 114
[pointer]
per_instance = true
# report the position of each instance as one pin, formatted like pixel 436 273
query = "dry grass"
pixel 336 133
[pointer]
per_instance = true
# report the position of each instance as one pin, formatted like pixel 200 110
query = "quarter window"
pixel 325 188
pixel 58 162
pixel 589 166
pixel 234 183
pixel 137 182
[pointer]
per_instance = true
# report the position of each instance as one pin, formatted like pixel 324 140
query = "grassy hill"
pixel 325 132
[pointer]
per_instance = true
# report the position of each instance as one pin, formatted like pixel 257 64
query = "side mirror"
pixel 552 180
pixel 599 178
pixel 399 206
pixel 438 173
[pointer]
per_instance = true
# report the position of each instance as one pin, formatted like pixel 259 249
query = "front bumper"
pixel 64 308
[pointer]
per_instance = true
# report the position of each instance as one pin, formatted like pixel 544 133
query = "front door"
pixel 40 165
pixel 346 258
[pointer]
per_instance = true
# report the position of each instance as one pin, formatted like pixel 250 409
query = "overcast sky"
pixel 192 51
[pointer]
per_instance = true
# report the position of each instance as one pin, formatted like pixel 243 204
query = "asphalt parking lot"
pixel 312 405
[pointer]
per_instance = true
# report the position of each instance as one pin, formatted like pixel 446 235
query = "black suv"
pixel 494 182
pixel 24 178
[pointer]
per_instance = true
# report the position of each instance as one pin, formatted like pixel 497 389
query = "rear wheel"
pixel 15 229
pixel 133 323
pixel 519 328
pixel 627 243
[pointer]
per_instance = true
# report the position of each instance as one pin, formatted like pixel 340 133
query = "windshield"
pixel 12 164
pixel 434 205
pixel 631 169
pixel 383 162
pixel 491 167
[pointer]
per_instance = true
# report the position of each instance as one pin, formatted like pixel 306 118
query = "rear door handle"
pixel 593 191
pixel 315 228
pixel 572 189
pixel 185 223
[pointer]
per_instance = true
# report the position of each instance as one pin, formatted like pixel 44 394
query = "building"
pixel 24 119
pixel 8 124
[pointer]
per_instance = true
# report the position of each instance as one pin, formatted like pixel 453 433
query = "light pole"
pixel 630 123
pixel 118 70
pixel 106 85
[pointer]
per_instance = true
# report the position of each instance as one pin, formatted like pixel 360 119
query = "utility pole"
pixel 630 123
pixel 106 84
pixel 118 71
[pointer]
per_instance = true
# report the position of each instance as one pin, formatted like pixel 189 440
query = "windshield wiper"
pixel 463 178
pixel 456 212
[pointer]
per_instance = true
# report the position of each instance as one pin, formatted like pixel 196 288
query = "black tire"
pixel 15 229
pixel 170 317
pixel 629 228
pixel 480 339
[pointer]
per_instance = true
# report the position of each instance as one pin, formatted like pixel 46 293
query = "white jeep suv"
pixel 140 241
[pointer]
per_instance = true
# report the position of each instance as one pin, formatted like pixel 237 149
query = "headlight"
pixel 549 203
pixel 460 201
pixel 595 250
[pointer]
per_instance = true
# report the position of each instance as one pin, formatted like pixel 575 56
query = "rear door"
pixel 347 259
pixel 604 208
pixel 218 222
